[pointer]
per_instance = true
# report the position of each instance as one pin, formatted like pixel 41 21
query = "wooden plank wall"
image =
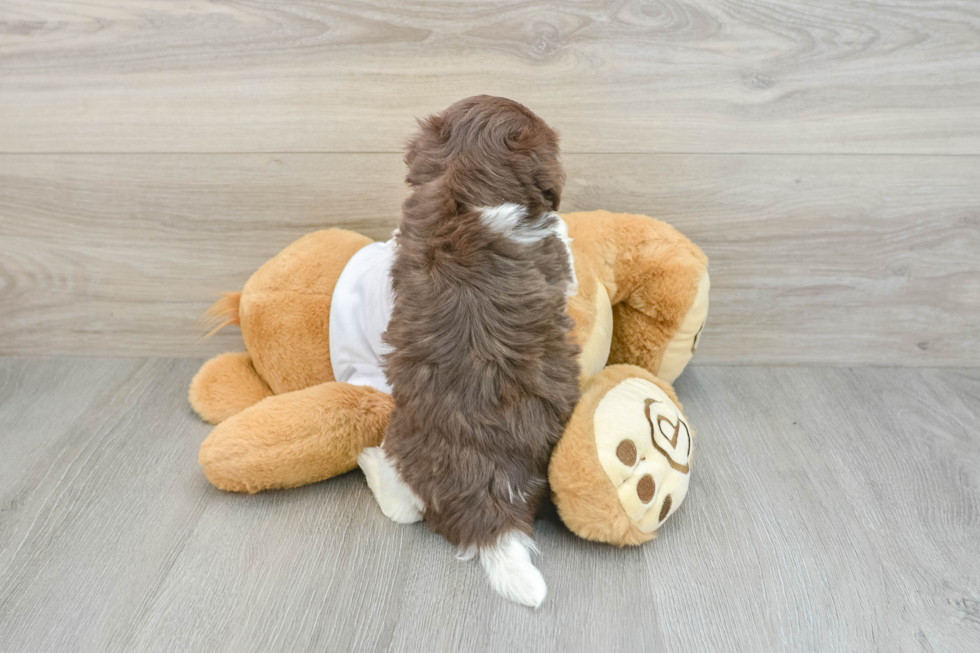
pixel 825 155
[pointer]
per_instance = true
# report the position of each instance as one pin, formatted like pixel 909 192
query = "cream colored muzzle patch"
pixel 644 447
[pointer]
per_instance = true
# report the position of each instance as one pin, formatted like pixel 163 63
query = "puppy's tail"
pixel 222 313
pixel 509 569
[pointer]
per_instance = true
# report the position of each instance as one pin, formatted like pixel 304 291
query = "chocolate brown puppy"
pixel 482 367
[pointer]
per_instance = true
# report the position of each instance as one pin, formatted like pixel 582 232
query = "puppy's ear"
pixel 526 139
pixel 424 157
pixel 539 144
pixel 432 124
pixel 552 196
pixel 550 178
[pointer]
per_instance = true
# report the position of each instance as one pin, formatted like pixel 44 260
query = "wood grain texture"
pixel 895 76
pixel 830 510
pixel 827 260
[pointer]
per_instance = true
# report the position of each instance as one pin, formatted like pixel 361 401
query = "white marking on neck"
pixel 560 229
pixel 513 493
pixel 508 219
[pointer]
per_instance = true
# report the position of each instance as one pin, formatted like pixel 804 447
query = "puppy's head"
pixel 489 150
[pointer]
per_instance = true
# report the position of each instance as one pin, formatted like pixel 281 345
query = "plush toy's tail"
pixel 222 313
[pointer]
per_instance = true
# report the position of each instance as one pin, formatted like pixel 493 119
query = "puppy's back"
pixel 483 370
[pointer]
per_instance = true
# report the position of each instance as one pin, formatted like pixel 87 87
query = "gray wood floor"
pixel 831 510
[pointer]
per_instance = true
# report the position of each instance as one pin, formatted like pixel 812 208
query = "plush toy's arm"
pixel 661 298
pixel 657 281
pixel 296 438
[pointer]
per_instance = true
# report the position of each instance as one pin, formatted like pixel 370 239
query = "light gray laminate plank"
pixel 41 399
pixel 334 75
pixel 836 509
pixel 95 511
pixel 815 260
pixel 830 510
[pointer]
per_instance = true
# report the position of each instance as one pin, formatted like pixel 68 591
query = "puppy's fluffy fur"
pixel 483 369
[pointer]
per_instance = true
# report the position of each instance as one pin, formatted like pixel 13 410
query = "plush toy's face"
pixel 644 447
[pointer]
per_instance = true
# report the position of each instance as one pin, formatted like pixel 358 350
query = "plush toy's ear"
pixel 622 467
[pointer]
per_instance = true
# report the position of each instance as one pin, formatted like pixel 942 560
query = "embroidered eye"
pixel 626 452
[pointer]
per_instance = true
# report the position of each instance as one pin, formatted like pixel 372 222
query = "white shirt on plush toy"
pixel 361 309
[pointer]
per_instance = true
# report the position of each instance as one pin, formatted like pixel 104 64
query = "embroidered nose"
pixel 646 488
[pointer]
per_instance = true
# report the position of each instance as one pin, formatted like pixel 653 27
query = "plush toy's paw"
pixel 225 386
pixel 397 501
pixel 622 467
pixel 644 446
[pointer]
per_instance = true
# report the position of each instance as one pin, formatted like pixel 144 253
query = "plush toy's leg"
pixel 225 386
pixel 296 438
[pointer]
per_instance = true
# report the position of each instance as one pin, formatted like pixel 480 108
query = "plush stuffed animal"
pixel 622 466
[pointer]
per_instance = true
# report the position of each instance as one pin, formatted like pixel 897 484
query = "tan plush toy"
pixel 622 466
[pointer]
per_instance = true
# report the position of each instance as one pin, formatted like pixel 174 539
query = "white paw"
pixel 511 573
pixel 396 499
pixel 527 587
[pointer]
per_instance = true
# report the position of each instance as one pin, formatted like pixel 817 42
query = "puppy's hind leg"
pixel 396 499
pixel 510 572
